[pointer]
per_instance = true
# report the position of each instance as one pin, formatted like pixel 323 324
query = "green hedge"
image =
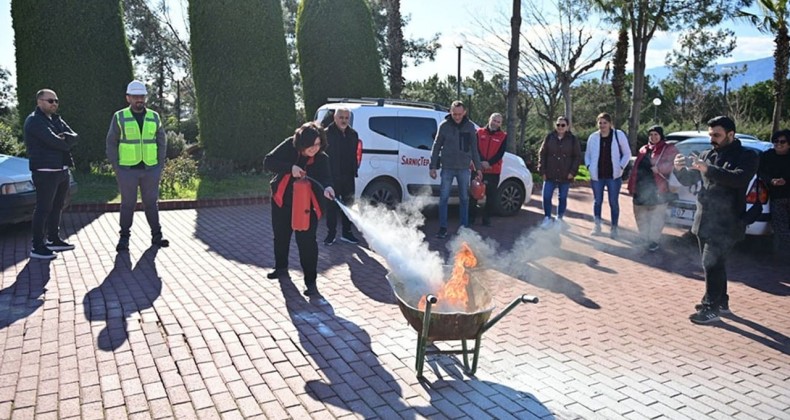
pixel 245 97
pixel 337 51
pixel 79 50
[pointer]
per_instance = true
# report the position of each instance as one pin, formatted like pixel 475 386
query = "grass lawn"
pixel 102 188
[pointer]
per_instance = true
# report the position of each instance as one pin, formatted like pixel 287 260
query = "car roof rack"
pixel 390 101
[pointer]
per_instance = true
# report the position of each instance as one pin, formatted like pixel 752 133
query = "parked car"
pixel 397 136
pixel 681 211
pixel 17 192
pixel 684 135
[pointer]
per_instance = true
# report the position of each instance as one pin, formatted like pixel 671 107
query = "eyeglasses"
pixel 50 100
pixel 783 141
pixel 561 125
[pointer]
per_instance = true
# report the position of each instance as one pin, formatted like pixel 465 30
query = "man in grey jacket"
pixel 454 150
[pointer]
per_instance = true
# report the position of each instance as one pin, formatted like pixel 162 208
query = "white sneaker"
pixel 547 221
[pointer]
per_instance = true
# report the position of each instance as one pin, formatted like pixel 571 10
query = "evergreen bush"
pixel 79 50
pixel 337 51
pixel 245 96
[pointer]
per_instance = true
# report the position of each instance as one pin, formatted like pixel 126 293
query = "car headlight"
pixel 17 187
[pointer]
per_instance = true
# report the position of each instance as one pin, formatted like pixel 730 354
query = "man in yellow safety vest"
pixel 136 147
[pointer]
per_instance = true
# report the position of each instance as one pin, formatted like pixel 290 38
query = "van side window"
pixel 412 131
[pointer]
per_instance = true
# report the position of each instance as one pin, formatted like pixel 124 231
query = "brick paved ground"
pixel 197 331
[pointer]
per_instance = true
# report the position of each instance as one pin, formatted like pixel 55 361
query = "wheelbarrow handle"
pixel 529 299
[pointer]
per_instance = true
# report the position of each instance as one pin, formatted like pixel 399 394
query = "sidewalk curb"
pixel 170 204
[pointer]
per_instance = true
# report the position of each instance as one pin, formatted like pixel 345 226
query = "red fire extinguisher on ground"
pixel 301 207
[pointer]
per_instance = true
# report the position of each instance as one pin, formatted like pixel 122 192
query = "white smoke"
pixel 396 236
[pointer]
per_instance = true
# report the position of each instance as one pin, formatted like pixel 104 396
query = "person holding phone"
pixel 774 171
pixel 725 172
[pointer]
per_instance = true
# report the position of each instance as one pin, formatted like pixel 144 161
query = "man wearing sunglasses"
pixel 136 148
pixel 775 173
pixel 49 141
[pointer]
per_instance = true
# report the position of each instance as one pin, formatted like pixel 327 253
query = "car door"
pixel 416 132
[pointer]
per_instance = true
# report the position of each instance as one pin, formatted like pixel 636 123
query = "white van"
pixel 396 138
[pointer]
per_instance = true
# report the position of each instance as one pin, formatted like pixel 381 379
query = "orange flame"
pixel 454 293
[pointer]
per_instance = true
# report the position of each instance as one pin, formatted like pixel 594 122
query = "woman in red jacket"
pixel 649 185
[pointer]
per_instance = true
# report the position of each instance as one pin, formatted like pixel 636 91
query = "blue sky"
pixel 454 17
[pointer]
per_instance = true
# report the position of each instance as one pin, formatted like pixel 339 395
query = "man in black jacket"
pixel 49 141
pixel 725 171
pixel 344 157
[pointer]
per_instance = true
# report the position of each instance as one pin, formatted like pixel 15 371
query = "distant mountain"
pixel 756 71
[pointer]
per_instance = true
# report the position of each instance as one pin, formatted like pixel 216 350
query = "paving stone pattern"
pixel 196 330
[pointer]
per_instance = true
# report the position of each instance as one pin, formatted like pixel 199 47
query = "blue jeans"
pixel 548 192
pixel 462 178
pixel 613 188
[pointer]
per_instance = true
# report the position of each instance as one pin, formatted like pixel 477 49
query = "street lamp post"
pixel 459 44
pixel 656 104
pixel 469 93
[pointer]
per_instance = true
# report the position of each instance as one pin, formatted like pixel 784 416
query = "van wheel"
pixel 382 192
pixel 509 198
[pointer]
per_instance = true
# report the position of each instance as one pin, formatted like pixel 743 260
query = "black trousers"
pixel 51 191
pixel 491 182
pixel 305 241
pixel 344 191
pixel 714 258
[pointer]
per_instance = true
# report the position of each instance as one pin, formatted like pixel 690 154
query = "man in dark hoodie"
pixel 725 171
pixel 454 149
pixel 49 141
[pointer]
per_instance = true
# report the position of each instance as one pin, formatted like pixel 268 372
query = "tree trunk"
pixel 512 84
pixel 781 55
pixel 618 75
pixel 640 52
pixel 565 88
pixel 395 41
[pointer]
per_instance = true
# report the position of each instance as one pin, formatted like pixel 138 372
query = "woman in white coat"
pixel 607 154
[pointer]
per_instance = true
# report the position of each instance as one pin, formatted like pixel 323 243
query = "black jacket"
pixel 721 200
pixel 342 151
pixel 45 150
pixel 283 157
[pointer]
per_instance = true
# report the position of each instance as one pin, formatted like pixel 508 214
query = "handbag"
pixel 750 216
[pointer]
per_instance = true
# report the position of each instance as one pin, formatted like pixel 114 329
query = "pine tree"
pixel 245 98
pixel 79 50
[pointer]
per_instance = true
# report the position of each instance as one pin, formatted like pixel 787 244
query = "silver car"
pixel 681 211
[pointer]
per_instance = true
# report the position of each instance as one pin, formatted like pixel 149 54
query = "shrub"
pixel 337 51
pixel 9 142
pixel 175 144
pixel 245 95
pixel 178 173
pixel 79 50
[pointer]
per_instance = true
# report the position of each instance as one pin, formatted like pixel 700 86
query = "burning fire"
pixel 454 295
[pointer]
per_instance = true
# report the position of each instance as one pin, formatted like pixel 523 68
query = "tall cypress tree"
pixel 245 97
pixel 79 50
pixel 337 51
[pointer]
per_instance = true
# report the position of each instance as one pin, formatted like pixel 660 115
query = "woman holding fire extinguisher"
pixel 301 169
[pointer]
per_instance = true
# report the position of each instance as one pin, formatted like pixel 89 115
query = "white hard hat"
pixel 136 87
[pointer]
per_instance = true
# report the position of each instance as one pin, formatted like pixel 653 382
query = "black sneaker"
pixel 42 253
pixel 330 239
pixel 311 291
pixel 442 233
pixel 653 247
pixel 613 234
pixel 705 316
pixel 724 308
pixel 349 237
pixel 278 273
pixel 59 245
pixel 158 240
pixel 123 244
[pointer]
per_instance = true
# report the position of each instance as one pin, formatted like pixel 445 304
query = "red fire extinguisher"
pixel 301 207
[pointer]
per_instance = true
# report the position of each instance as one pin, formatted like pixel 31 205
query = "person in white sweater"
pixel 607 154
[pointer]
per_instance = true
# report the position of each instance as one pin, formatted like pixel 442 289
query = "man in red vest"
pixel 492 144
